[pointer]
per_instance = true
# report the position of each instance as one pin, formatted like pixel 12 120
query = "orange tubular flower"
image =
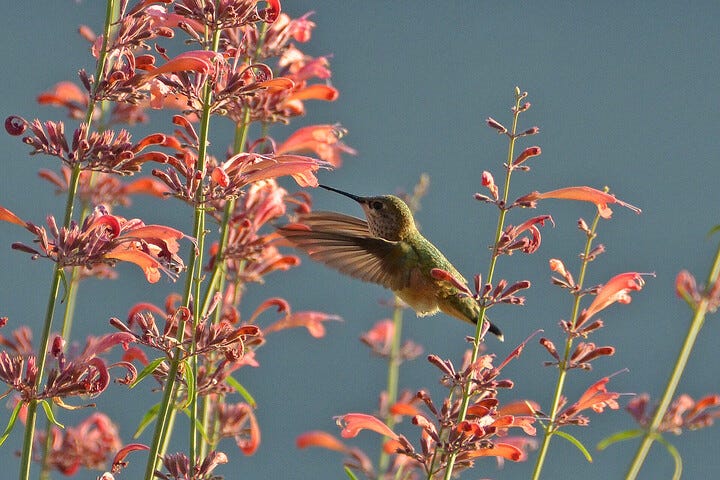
pixel 617 289
pixel 195 61
pixel 311 320
pixel 245 168
pixel 596 397
pixel 503 450
pixel 103 239
pixel 353 423
pixel 586 194
pixel 322 140
pixel 321 439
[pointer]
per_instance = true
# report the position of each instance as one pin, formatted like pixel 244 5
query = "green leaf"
pixel 350 474
pixel 242 391
pixel 147 370
pixel 713 230
pixel 11 422
pixel 619 437
pixel 147 419
pixel 575 442
pixel 49 413
pixel 190 382
pixel 202 431
pixel 677 474
pixel 63 279
pixel 198 424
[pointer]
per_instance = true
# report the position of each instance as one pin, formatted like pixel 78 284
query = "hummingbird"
pixel 387 249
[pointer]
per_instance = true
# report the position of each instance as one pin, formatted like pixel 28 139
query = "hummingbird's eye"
pixel 376 205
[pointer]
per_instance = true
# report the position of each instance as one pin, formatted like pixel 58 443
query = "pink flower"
pixel 488 182
pixel 88 444
pixel 380 336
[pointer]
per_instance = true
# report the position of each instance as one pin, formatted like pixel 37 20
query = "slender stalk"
pixel 687 347
pixel 70 303
pixel 217 277
pixel 58 272
pixel 562 367
pixel 491 271
pixel 191 300
pixel 393 376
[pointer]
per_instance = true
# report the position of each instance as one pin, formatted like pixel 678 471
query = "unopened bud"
pixel 527 153
pixel 492 123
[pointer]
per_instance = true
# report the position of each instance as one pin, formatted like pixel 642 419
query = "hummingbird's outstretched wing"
pixel 345 243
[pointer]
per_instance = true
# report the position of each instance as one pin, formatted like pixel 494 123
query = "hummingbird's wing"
pixel 345 243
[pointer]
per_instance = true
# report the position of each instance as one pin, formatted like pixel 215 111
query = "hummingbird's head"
pixel 387 216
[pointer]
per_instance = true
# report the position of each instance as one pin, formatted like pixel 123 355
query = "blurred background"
pixel 625 95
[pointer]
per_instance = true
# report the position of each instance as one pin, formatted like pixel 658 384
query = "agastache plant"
pixel 242 61
pixel 188 64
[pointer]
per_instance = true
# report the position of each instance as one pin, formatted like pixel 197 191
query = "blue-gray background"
pixel 625 94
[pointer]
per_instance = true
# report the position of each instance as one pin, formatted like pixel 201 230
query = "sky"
pixel 625 95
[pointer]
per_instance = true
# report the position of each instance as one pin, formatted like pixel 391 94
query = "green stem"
pixel 393 377
pixel 70 303
pixel 58 273
pixel 687 347
pixel 217 277
pixel 191 300
pixel 562 367
pixel 491 271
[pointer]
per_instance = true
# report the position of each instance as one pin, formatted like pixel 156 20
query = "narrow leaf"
pixel 190 382
pixel 242 391
pixel 199 426
pixel 577 444
pixel 619 437
pixel 49 413
pixel 677 474
pixel 350 474
pixel 11 422
pixel 147 419
pixel 147 370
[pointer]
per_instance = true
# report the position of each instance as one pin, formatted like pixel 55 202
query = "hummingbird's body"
pixel 386 249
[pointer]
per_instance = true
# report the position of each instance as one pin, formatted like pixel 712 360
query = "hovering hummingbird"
pixel 387 249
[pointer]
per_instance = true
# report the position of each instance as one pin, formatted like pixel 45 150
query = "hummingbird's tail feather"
pixel 495 331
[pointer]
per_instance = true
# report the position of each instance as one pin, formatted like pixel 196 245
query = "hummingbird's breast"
pixel 420 295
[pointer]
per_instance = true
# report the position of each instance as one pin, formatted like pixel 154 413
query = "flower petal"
pixel 353 423
pixel 8 216
pixel 126 253
pixel 615 290
pixel 321 439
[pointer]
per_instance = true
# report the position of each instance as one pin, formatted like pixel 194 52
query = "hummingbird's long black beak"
pixel 349 195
